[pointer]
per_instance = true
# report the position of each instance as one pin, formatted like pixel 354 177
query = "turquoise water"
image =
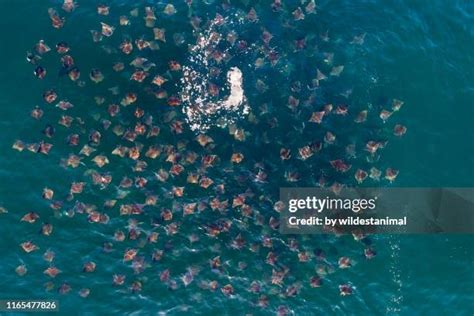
pixel 416 51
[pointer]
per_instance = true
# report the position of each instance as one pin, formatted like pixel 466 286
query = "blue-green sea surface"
pixel 416 51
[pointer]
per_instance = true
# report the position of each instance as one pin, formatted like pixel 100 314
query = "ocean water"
pixel 416 51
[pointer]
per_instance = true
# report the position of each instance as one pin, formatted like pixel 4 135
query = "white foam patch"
pixel 202 110
pixel 236 97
